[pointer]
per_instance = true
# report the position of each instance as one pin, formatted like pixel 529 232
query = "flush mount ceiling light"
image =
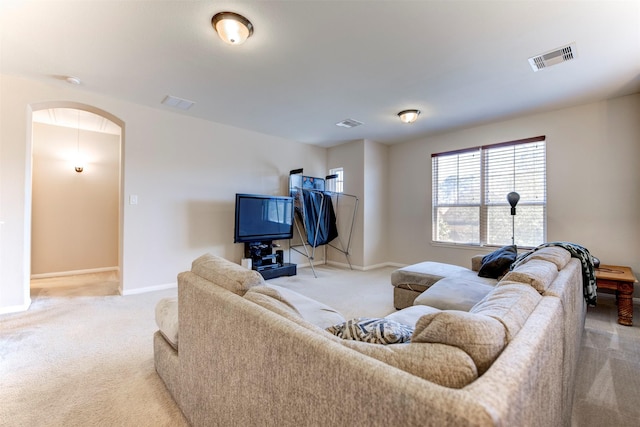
pixel 231 27
pixel 409 116
pixel 73 80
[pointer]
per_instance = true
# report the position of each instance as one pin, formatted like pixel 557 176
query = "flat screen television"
pixel 262 218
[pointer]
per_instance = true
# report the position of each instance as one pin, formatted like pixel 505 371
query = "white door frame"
pixel 29 178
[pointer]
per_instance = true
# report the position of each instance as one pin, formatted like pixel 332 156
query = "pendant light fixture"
pixel 78 164
pixel 408 116
pixel 231 27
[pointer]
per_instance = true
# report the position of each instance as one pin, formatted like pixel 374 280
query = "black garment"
pixel 315 208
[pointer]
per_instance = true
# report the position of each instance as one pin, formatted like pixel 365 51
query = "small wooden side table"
pixel 621 280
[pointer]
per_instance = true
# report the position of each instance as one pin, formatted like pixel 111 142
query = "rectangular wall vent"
pixel 556 56
pixel 348 123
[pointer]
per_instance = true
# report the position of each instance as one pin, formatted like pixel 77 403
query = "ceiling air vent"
pixel 348 123
pixel 174 101
pixel 556 56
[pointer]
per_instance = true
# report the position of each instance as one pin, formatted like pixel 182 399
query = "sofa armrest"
pixel 476 262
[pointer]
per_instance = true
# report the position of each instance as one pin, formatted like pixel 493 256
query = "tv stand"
pixel 270 265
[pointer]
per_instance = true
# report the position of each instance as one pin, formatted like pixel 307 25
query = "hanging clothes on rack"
pixel 316 221
pixel 318 210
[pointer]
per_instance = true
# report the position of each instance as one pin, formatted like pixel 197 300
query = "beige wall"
pixel 74 215
pixel 184 171
pixel 592 175
pixel 375 208
pixel 350 156
pixel 365 166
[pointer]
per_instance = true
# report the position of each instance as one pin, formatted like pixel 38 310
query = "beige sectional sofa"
pixel 243 353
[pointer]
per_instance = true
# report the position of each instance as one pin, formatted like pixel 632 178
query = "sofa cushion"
pixel 537 273
pixel 497 262
pixel 473 276
pixel 273 304
pixel 555 254
pixel 227 274
pixel 438 363
pixel 511 303
pixel 454 293
pixel 410 315
pixel 372 330
pixel 481 337
pixel 167 319
pixel 309 309
pixel 425 273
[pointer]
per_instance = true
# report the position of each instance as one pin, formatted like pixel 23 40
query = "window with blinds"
pixel 470 190
pixel 336 184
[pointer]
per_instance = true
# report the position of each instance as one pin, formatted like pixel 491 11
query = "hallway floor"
pixel 81 285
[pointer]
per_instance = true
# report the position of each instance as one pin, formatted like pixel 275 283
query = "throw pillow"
pixel 372 330
pixel 498 262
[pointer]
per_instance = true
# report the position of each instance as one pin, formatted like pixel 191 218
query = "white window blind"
pixel 336 184
pixel 470 190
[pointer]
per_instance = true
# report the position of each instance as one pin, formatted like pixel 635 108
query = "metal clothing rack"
pixel 298 185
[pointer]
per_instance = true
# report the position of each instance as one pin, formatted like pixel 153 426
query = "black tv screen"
pixel 262 218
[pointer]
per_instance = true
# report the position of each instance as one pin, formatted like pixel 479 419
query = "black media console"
pixel 267 263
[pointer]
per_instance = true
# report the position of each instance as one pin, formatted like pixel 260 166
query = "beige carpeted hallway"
pixel 82 355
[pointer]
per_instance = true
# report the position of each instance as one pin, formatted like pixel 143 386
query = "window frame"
pixel 483 206
pixel 337 184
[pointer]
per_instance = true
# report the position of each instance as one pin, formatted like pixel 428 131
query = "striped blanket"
pixel 588 271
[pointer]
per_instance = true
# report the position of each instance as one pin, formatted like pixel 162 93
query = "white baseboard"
pixel 148 289
pixel 395 264
pixel 73 272
pixel 15 308
pixel 361 268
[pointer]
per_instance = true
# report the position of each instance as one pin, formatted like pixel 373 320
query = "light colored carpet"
pixel 608 383
pixel 83 356
pixel 74 360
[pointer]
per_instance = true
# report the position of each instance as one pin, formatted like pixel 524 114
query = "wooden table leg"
pixel 625 303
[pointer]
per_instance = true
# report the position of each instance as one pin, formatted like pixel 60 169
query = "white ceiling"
pixel 311 64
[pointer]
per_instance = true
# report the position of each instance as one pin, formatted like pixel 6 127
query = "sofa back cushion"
pixel 537 273
pixel 441 364
pixel 274 305
pixel 227 274
pixel 555 254
pixel 307 308
pixel 481 337
pixel 510 303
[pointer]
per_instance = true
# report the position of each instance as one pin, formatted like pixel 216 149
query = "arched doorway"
pixel 76 212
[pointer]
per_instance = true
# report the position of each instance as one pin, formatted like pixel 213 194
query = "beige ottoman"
pixel 410 281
